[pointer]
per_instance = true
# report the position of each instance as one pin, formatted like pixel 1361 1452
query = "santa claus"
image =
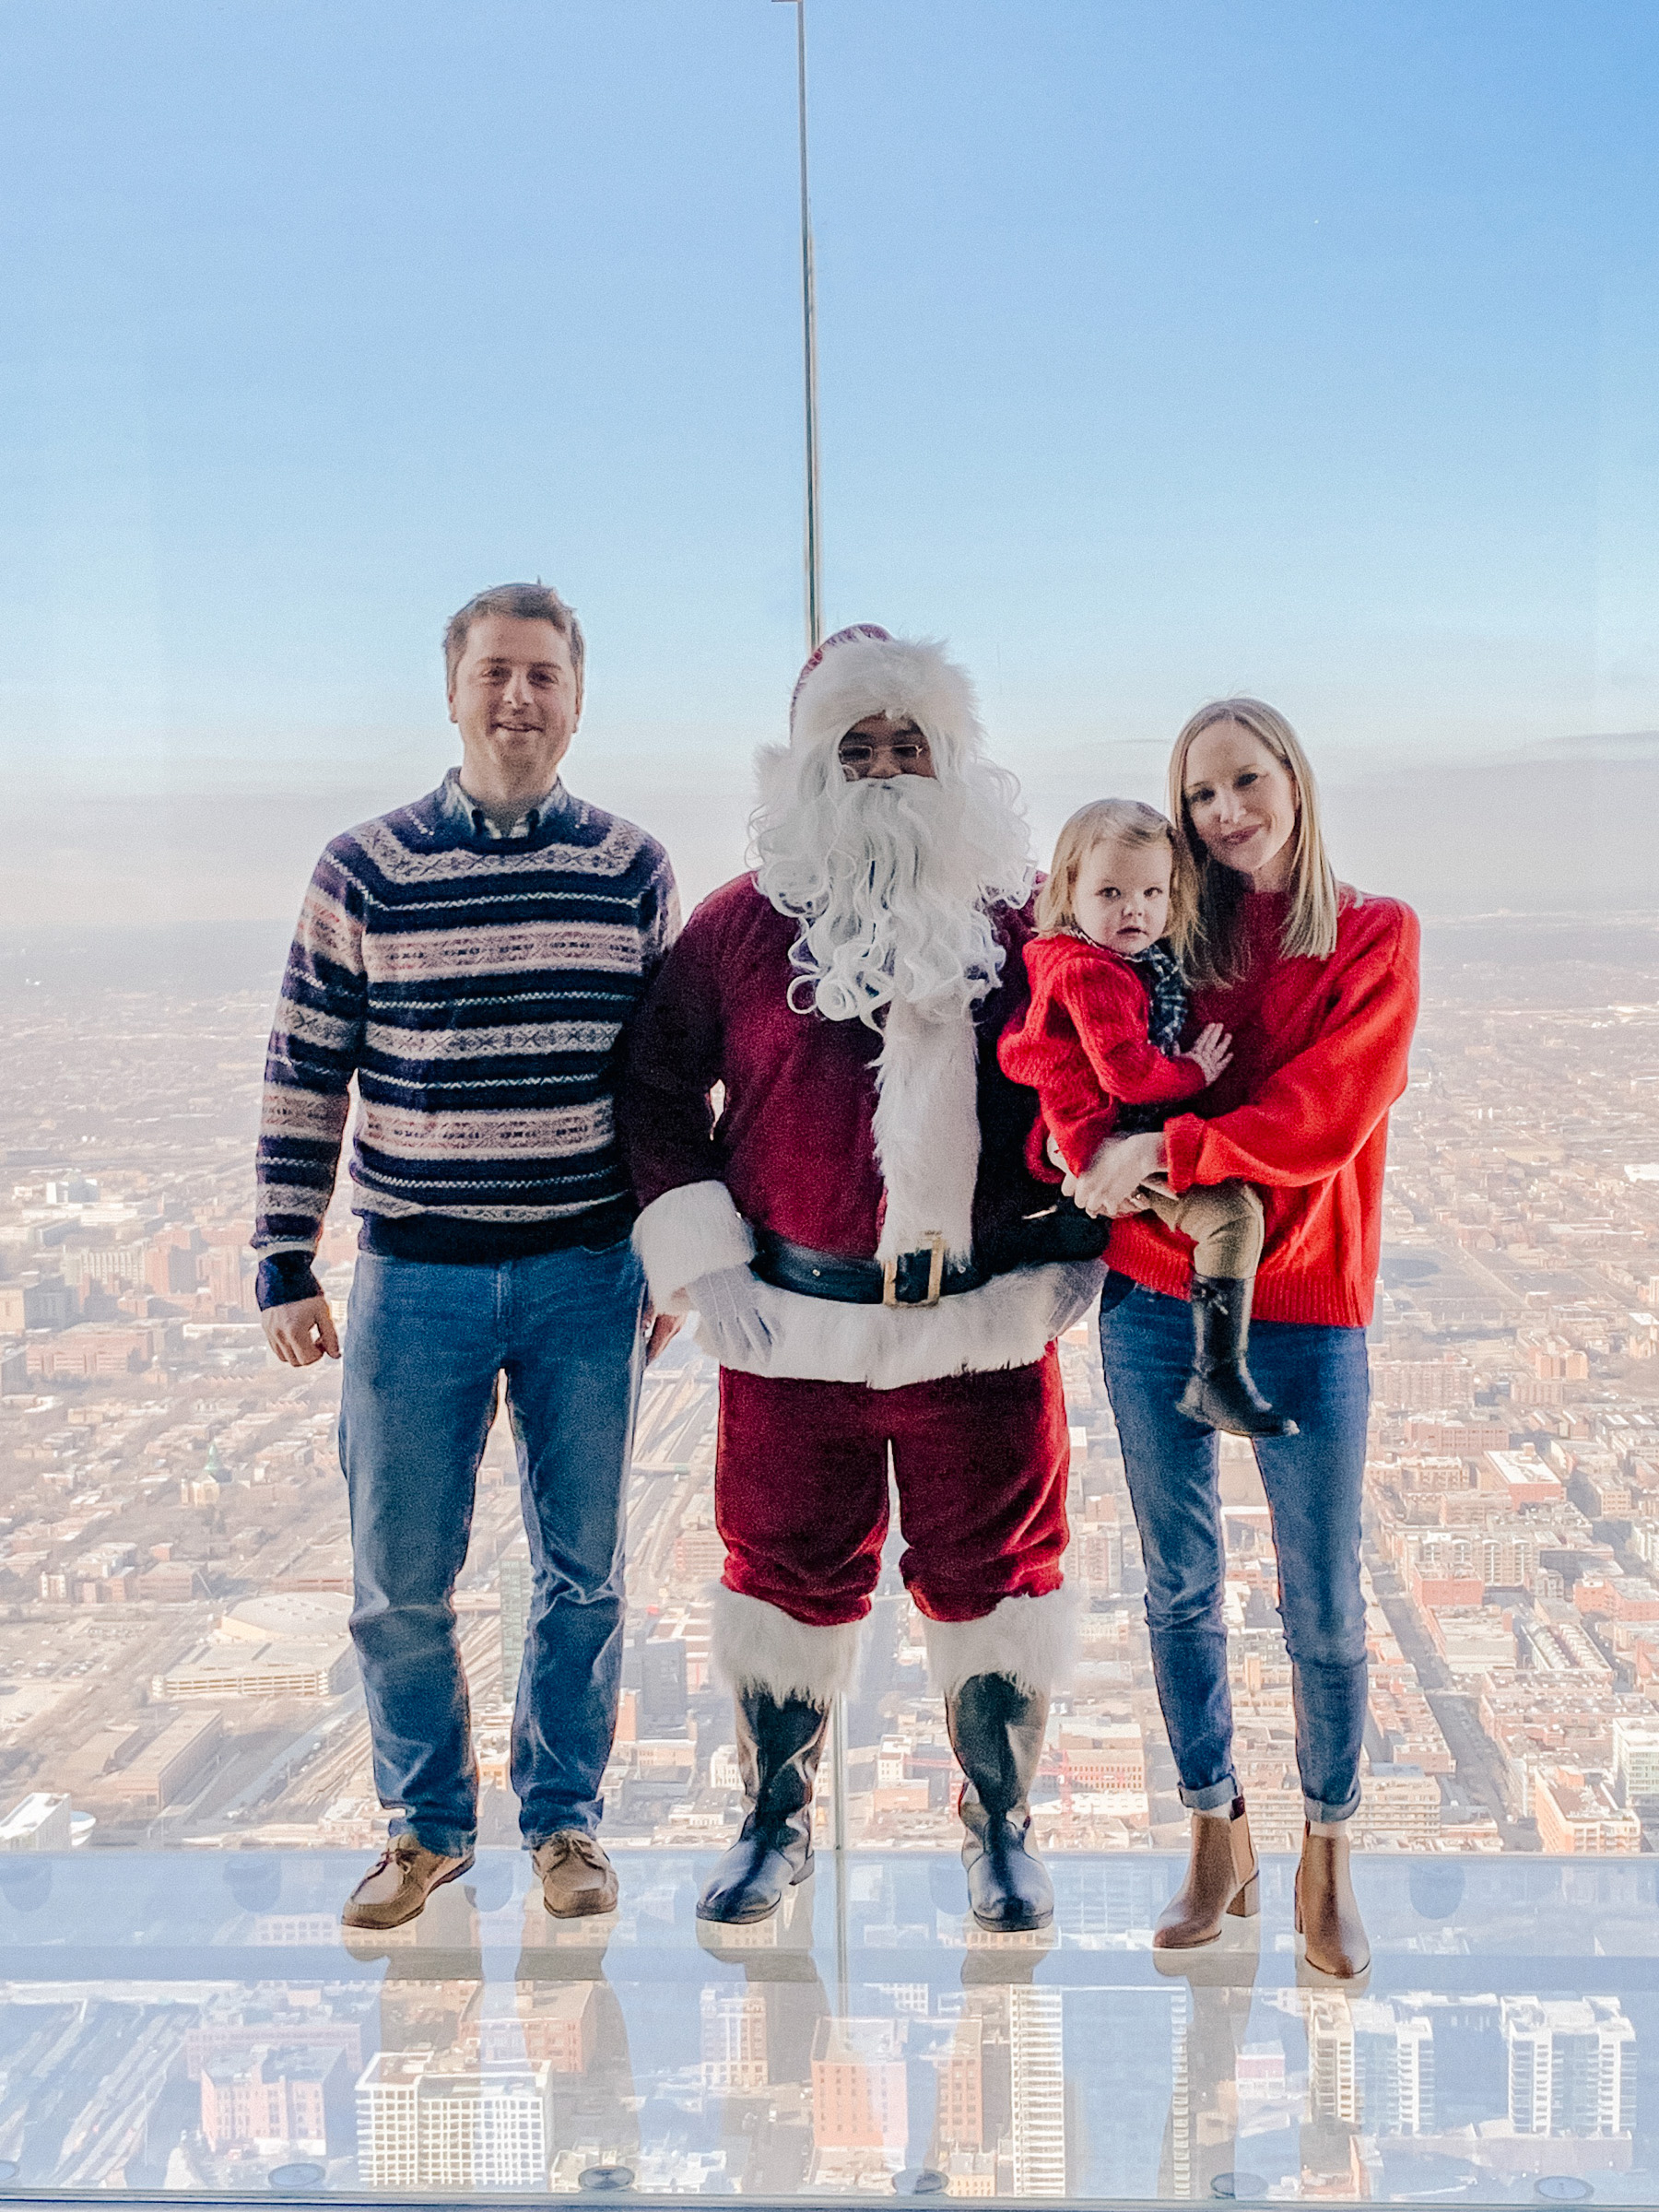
pixel 831 1168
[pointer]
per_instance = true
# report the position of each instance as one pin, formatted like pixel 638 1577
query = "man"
pixel 853 1231
pixel 474 960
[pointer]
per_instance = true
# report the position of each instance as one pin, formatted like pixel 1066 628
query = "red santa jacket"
pixel 794 1149
pixel 1081 1043
pixel 1320 1051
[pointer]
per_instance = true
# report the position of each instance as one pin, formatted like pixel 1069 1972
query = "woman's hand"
pixel 1108 1185
pixel 1212 1049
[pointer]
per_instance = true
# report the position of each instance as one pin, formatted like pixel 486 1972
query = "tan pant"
pixel 1224 1220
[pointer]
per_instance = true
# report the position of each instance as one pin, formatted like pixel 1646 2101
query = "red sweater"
pixel 1082 1046
pixel 1319 1056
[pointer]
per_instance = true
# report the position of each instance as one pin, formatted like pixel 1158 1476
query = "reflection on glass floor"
pixel 196 2023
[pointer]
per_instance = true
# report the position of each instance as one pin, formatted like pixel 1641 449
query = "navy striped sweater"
pixel 478 989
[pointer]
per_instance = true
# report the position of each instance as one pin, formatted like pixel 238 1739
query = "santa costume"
pixel 830 1167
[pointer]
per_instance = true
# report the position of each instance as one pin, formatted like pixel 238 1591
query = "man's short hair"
pixel 529 603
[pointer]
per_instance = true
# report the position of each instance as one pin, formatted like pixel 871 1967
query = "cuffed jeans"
pixel 425 1344
pixel 1320 1377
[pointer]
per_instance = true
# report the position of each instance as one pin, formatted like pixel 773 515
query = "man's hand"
pixel 302 1333
pixel 1108 1185
pixel 1212 1049
pixel 662 1329
pixel 730 1324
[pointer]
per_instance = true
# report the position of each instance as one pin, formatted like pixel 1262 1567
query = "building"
pixel 1513 1479
pixel 290 1644
pixel 1370 2065
pixel 734 2039
pixel 959 2099
pixel 860 2099
pixel 555 2026
pixel 1422 1385
pixel 166 1771
pixel 1473 1640
pixel 424 2123
pixel 1620 1597
pixel 1037 2054
pixel 1102 1754
pixel 516 1578
pixel 1575 1812
pixel 1572 2065
pixel 663 1685
pixel 1636 1767
pixel 90 1351
pixel 31 1303
pixel 277 2101
pixel 1401 1807
pixel 39 1822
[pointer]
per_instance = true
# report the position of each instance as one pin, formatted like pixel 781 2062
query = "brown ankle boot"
pixel 1221 1878
pixel 1327 1913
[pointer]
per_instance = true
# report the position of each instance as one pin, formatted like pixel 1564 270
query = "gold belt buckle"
pixel 933 1246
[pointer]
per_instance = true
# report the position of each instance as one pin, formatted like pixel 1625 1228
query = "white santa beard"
pixel 892 898
pixel 892 880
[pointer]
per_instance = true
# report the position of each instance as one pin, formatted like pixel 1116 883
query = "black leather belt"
pixel 914 1278
pixel 1060 1232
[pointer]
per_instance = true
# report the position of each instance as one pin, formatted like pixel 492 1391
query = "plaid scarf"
pixel 1165 987
pixel 1165 1017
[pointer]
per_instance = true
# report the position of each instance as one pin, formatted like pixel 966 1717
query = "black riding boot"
pixel 1222 1392
pixel 778 1747
pixel 996 1734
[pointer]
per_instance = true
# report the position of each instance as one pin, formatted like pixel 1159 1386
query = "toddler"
pixel 1101 1045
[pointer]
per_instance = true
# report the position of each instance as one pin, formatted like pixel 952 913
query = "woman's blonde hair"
pixel 1205 937
pixel 1091 826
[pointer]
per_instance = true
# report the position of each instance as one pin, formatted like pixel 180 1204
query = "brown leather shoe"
pixel 576 1876
pixel 1221 1878
pixel 398 1884
pixel 1327 1913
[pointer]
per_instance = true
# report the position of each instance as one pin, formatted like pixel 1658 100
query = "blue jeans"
pixel 424 1346
pixel 1321 1378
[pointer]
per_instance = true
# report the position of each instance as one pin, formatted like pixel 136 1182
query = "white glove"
pixel 729 1321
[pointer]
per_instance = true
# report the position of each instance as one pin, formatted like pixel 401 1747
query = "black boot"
pixel 1222 1392
pixel 996 1734
pixel 778 1747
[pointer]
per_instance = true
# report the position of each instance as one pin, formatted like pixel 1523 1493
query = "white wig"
pixel 893 880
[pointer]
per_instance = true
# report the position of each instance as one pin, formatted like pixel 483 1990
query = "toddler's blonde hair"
pixel 1133 824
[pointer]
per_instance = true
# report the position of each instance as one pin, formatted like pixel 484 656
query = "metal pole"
pixel 813 565
pixel 813 545
pixel 815 637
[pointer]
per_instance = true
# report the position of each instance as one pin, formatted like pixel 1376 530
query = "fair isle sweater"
pixel 478 987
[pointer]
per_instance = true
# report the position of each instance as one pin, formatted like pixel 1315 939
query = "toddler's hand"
pixel 1212 1049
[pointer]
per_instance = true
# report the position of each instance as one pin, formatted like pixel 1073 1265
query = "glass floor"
pixel 183 2024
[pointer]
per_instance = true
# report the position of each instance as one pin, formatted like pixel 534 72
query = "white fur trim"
pixel 759 1646
pixel 906 677
pixel 1031 1639
pixel 686 1232
pixel 1008 1322
pixel 926 1127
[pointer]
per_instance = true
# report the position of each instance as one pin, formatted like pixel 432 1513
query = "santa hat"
pixel 865 670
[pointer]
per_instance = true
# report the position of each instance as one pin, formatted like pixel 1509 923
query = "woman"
pixel 1317 983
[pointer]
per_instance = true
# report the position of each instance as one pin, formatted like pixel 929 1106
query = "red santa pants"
pixel 801 1490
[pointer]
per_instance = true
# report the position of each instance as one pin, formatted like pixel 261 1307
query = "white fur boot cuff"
pixel 757 1646
pixel 1030 1639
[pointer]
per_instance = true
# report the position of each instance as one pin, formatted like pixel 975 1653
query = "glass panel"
pixel 198 2024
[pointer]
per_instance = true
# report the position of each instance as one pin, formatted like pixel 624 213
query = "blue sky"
pixel 1167 347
